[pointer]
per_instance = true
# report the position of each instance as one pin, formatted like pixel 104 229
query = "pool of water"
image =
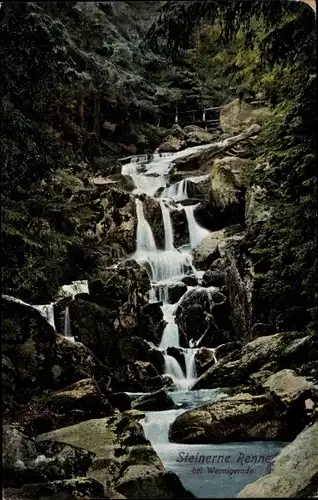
pixel 207 470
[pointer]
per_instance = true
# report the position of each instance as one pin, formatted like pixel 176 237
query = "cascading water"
pixel 166 268
pixel 145 240
pixel 167 224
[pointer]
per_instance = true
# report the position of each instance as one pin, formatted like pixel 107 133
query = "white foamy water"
pixel 196 232
pixel 145 241
pixel 167 224
pixel 177 191
pixel 67 325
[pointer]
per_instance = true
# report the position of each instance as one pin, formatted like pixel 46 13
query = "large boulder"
pixel 180 227
pixel 237 115
pixel 243 417
pixel 125 462
pixel 195 317
pixel 273 352
pixel 214 246
pixel 295 470
pixel 27 461
pixel 140 376
pixel 75 403
pixel 156 401
pixel 230 177
pixel 42 359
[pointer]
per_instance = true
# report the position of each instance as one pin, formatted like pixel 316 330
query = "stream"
pixel 208 471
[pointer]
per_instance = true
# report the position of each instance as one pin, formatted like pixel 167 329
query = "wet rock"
pixel 204 359
pixel 295 470
pixel 156 401
pixel 213 278
pixel 189 163
pixel 134 348
pixel 153 215
pixel 237 115
pixel 168 383
pixel 180 227
pixel 176 291
pixel 84 395
pixel 225 349
pixel 139 376
pixel 215 246
pixel 190 280
pixel 236 418
pixel 275 352
pixel 151 323
pixel 124 182
pixel 120 400
pixel 190 314
pixel 27 461
pixel 125 463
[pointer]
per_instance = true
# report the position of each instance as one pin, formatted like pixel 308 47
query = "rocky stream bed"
pixel 151 379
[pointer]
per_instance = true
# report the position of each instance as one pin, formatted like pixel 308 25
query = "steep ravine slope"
pixel 76 95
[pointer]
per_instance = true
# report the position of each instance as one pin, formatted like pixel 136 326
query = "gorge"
pixel 159 283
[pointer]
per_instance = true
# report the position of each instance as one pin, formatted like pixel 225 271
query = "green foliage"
pixel 287 241
pixel 171 32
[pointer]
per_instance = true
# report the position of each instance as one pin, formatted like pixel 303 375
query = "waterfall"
pixel 47 312
pixel 67 322
pixel 191 371
pixel 167 226
pixel 145 239
pixel 176 192
pixel 196 232
pixel 174 370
